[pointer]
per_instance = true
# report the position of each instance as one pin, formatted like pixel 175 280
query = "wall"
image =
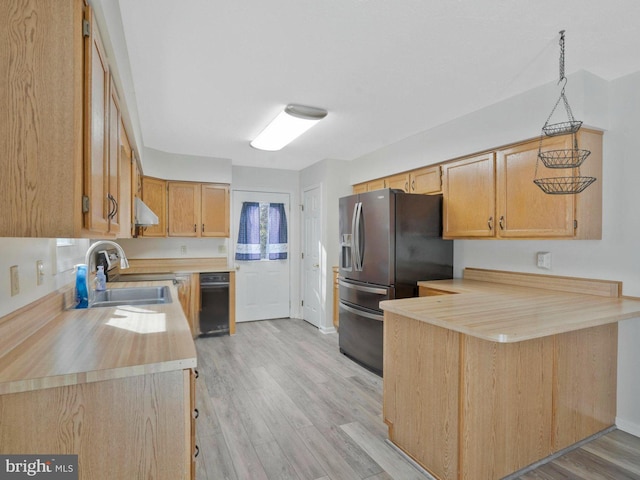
pixel 171 166
pixel 332 176
pixel 24 252
pixel 173 247
pixel 614 107
pixel 517 118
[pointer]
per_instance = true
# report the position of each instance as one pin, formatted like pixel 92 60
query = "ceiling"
pixel 208 75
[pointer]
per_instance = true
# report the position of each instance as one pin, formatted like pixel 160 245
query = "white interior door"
pixel 262 286
pixel 312 295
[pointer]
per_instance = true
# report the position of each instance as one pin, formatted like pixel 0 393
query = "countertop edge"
pixel 188 359
pixel 506 338
pixel 495 299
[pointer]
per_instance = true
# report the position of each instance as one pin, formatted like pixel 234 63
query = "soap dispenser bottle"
pixel 101 279
pixel 82 290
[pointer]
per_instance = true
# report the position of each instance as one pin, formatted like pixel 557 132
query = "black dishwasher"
pixel 214 306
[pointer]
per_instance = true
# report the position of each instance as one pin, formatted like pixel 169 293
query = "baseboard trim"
pixel 327 330
pixel 629 427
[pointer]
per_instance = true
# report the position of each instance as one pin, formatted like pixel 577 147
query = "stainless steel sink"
pixel 114 297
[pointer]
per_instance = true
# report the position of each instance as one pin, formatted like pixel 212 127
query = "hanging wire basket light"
pixel 563 158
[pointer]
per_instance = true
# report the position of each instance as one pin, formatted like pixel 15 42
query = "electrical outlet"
pixel 544 260
pixel 39 272
pixel 222 249
pixel 15 280
pixel 183 250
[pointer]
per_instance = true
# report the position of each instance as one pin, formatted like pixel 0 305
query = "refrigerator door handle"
pixel 372 316
pixel 379 291
pixel 358 240
pixel 354 238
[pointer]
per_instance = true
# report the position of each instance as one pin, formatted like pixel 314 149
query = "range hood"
pixel 144 215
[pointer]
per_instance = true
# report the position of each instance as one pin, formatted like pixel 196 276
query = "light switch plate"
pixel 15 280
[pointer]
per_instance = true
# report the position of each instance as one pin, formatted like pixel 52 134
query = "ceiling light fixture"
pixel 292 122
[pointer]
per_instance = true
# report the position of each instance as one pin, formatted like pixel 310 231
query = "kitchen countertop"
pixel 502 312
pixel 89 345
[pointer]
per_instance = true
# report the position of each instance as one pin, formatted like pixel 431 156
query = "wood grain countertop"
pixel 510 307
pixel 90 345
pixel 177 265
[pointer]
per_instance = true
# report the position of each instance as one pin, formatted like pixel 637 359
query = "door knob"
pixel 316 265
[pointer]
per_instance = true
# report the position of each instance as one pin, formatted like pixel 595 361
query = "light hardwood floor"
pixel 278 401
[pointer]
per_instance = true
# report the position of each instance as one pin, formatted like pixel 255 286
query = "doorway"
pixel 262 263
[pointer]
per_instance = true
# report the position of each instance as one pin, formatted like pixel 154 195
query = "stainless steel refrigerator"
pixel 389 240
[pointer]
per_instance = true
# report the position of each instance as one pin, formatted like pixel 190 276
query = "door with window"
pixel 261 256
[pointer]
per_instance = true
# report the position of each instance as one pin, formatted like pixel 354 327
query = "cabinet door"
pixel 523 210
pixel 360 188
pixel 113 195
pixel 398 182
pixel 154 195
pixel 376 185
pixel 469 197
pixel 426 180
pixel 126 189
pixel 97 110
pixel 184 209
pixel 41 119
pixel 184 296
pixel 215 210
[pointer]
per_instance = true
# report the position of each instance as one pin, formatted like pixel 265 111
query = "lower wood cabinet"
pixel 134 427
pixel 464 407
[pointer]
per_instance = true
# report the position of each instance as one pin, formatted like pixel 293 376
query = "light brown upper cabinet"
pixel 198 210
pixel 469 197
pixel 360 188
pixel 493 195
pixel 113 198
pixel 96 167
pixel 378 184
pixel 56 123
pixel 125 204
pixel 41 159
pixel 102 162
pixel 215 210
pixel 398 182
pixel 154 195
pixel 427 180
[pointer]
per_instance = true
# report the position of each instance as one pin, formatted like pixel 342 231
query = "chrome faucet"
pixel 124 263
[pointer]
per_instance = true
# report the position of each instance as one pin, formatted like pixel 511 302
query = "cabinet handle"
pixel 195 455
pixel 203 228
pixel 413 185
pixel 110 198
pixel 501 222
pixel 112 211
pixel 196 413
pixel 406 186
pixel 490 223
pixel 195 228
pixel 195 373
